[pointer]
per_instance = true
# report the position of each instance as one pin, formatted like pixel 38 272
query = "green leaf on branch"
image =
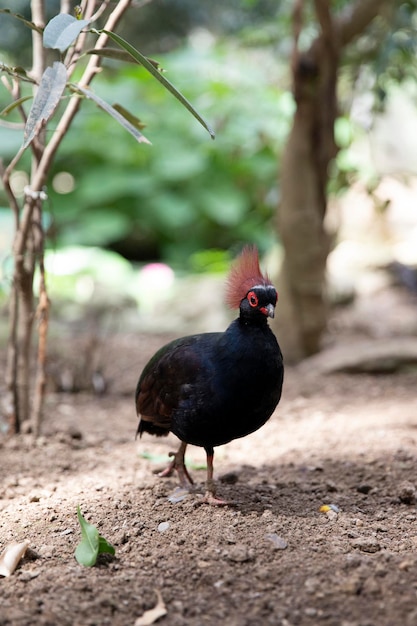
pixel 153 68
pixel 22 19
pixel 47 98
pixel 113 112
pixel 61 32
pixel 135 121
pixel 13 105
pixel 17 72
pixel 121 55
pixel 92 543
pixel 112 53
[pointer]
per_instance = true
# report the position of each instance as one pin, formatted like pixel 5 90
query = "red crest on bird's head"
pixel 244 274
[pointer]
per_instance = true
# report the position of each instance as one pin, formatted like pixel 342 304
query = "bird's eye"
pixel 253 298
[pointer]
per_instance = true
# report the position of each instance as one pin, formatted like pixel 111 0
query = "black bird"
pixel 211 388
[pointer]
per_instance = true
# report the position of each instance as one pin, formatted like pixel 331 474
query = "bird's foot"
pixel 210 495
pixel 210 498
pixel 177 464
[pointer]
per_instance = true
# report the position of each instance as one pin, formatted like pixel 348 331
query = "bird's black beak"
pixel 269 310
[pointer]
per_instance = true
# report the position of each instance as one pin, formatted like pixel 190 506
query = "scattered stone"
pixel 278 542
pixel 120 538
pixel 46 551
pixel 352 585
pixel 230 537
pixel 310 611
pixel 331 486
pixel 312 585
pixel 163 527
pixel 29 575
pixel 75 433
pixel 367 544
pixel 407 492
pixel 405 565
pixel 364 488
pixel 331 515
pixel 178 495
pixel 239 553
pixel 371 587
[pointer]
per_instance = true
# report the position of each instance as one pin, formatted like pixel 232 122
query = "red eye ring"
pixel 252 298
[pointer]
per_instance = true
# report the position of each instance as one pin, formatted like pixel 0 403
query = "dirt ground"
pixel 343 439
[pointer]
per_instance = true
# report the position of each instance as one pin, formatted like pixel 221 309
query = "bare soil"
pixel 346 440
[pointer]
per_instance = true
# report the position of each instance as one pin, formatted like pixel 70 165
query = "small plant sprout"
pixel 92 543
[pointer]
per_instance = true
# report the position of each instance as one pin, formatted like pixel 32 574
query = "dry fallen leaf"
pixel 11 556
pixel 150 617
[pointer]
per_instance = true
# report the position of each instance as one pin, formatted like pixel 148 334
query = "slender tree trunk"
pixel 309 150
pixel 304 172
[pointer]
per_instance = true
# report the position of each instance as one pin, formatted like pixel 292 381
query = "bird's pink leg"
pixel 178 464
pixel 210 495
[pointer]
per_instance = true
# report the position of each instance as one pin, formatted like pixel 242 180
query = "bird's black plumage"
pixel 211 388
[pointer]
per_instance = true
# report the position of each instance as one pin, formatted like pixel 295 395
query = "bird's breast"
pixel 234 395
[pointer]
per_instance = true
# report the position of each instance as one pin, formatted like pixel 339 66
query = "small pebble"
pixel 278 542
pixel 178 495
pixel 163 526
pixel 365 488
pixel 239 554
pixel 367 544
pixel 120 538
pixel 30 575
pixel 407 492
pixel 331 515
pixel 310 611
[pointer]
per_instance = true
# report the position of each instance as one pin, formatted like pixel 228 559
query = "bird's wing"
pixel 166 380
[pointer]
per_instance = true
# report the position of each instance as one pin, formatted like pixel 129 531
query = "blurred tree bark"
pixel 305 170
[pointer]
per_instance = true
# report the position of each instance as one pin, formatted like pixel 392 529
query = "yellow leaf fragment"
pixel 151 616
pixel 11 556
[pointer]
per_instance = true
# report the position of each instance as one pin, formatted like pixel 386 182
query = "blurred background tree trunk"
pixel 305 165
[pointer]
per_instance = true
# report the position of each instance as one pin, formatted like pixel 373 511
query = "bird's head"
pixel 250 290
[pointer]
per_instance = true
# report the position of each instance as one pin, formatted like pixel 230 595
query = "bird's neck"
pixel 252 321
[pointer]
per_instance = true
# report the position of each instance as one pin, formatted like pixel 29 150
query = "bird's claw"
pixel 177 464
pixel 210 498
pixel 210 495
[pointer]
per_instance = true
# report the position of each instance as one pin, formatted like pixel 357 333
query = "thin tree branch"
pixel 41 173
pixel 75 51
pixel 42 315
pixel 324 18
pixel 6 173
pixel 38 51
pixel 358 16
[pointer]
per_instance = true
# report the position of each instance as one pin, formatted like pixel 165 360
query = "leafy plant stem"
pixel 25 243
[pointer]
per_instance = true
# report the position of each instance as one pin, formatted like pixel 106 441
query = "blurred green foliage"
pixel 184 193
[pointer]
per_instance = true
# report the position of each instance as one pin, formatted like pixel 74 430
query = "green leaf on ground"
pixel 92 543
